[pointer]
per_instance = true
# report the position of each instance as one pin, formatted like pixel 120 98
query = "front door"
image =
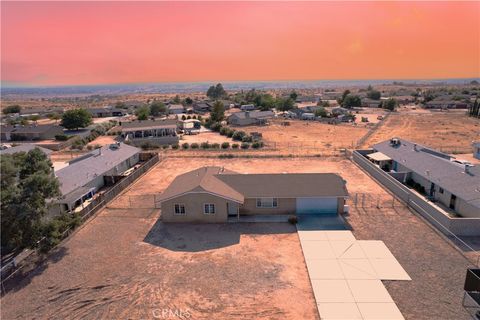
pixel 453 199
pixel 232 208
pixel 432 189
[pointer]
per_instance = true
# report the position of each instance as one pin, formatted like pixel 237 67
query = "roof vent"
pixel 467 168
pixel 394 142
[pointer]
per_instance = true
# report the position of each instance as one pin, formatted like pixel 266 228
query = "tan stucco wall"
pixel 284 206
pixel 194 204
pixel 340 204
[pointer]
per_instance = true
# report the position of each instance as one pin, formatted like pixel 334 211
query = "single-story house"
pixel 40 111
pixel 250 118
pixel 339 110
pixel 25 147
pixel 303 99
pixel 158 132
pixel 248 107
pixel 190 125
pixel 404 99
pixel 444 179
pixel 83 177
pixel 107 112
pixel 202 107
pixel 370 103
pixel 30 132
pixel 307 116
pixel 212 194
pixel 476 150
pixel 446 104
pixel 176 109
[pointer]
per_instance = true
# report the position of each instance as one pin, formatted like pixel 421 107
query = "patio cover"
pixel 378 156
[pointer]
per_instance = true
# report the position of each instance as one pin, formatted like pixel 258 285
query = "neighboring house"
pixel 310 109
pixel 476 150
pixel 158 132
pixel 308 116
pixel 401 100
pixel 212 194
pixel 26 147
pixel 339 110
pixel 370 103
pixel 107 112
pixel 247 107
pixel 454 184
pixel 40 111
pixel 250 118
pixel 303 99
pixel 176 109
pixel 446 104
pixel 30 132
pixel 201 107
pixel 85 175
pixel 190 125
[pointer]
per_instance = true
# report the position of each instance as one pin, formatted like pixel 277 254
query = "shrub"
pixel 185 145
pixel 247 139
pixel 216 126
pixel 230 132
pixel 205 145
pixel 165 146
pixel 89 147
pixel 256 145
pixel 175 146
pixel 245 145
pixel 61 137
pixel 238 135
pixel 194 145
pixel 292 219
pixel 226 156
pixel 224 131
pixel 225 145
pixel 215 146
pixel 235 146
pixel 147 146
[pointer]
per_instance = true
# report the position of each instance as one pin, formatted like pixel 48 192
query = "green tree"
pixel 157 108
pixel 294 95
pixel 12 109
pixel 27 181
pixel 284 104
pixel 323 103
pixel 216 92
pixel 351 101
pixel 264 101
pixel 321 112
pixel 218 112
pixel 188 101
pixel 142 113
pixel 76 118
pixel 374 94
pixel 177 99
pixel 389 104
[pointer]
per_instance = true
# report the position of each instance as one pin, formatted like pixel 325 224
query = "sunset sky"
pixel 71 43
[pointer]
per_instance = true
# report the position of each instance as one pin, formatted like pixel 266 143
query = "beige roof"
pixel 235 186
pixel 286 185
pixel 378 156
pixel 148 125
pixel 201 180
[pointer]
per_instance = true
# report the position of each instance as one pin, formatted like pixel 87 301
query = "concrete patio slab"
pixel 348 250
pixel 369 291
pixel 340 235
pixel 317 250
pixel 332 291
pixel 374 249
pixel 339 311
pixel 324 269
pixel 389 269
pixel 357 269
pixel 380 311
pixel 313 235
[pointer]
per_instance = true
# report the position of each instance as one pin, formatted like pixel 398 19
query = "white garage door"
pixel 316 205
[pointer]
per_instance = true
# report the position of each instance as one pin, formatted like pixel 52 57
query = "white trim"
pixel 209 213
pixel 197 192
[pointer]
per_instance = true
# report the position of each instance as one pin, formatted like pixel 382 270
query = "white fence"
pixel 447 225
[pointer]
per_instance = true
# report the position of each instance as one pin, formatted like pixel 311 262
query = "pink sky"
pixel 60 43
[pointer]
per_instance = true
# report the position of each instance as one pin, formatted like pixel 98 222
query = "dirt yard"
pixel 210 137
pixel 450 131
pixel 308 135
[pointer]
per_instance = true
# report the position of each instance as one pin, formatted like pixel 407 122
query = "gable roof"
pixel 253 114
pixel 96 163
pixel 436 167
pixel 41 128
pixel 236 186
pixel 25 148
pixel 201 180
pixel 149 124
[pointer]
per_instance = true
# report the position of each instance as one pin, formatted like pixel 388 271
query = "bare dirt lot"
pixel 127 264
pixel 307 135
pixel 450 131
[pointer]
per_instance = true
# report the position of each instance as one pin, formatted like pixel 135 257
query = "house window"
pixel 440 190
pixel 209 208
pixel 267 202
pixel 180 210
